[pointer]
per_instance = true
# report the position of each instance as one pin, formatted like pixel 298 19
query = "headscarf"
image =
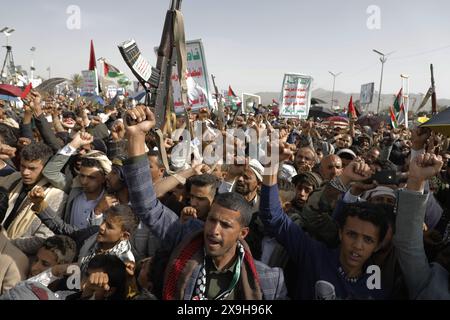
pixel 101 158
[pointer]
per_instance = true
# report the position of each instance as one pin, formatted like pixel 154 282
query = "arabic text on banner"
pixel 197 79
pixel 90 82
pixel 295 96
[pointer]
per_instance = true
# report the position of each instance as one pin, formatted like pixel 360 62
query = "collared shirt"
pixel 217 281
pixel 81 210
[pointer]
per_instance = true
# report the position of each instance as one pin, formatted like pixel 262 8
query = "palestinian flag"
pixel 401 115
pixel 231 92
pixel 351 109
pixel 110 71
pixel 398 102
pixel 393 118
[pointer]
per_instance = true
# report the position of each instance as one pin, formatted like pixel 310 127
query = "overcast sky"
pixel 249 44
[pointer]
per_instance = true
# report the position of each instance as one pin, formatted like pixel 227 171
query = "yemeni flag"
pixel 92 61
pixel 110 71
pixel 393 118
pixel 351 109
pixel 275 102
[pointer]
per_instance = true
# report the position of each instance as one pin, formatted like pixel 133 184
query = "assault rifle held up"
pixel 157 80
pixel 221 119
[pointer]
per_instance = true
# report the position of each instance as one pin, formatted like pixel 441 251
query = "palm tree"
pixel 77 81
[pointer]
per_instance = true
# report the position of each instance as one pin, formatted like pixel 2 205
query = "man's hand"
pixel 23 141
pixel 7 152
pixel 36 103
pixel 144 119
pixel 187 213
pixel 200 169
pixel 36 195
pixel 356 171
pixel 118 131
pixel 97 282
pixel 419 137
pixel 285 151
pixel 81 139
pixel 423 167
pixel 168 143
pixel 234 171
pixel 105 203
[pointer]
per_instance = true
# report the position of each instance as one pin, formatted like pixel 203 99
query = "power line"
pixel 422 53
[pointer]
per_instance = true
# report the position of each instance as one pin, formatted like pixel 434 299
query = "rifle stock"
pixel 433 95
pixel 220 115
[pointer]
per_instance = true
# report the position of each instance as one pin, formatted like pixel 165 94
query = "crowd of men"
pixel 95 205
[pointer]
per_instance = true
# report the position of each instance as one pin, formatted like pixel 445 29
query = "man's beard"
pixel 242 189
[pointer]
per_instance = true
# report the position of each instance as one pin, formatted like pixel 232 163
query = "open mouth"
pixel 69 122
pixel 213 242
pixel 354 256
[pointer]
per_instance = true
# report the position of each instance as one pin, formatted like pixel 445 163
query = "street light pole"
pixel 334 83
pixel 33 49
pixel 9 60
pixel 383 59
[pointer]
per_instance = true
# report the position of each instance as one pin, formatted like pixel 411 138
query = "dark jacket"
pixel 165 224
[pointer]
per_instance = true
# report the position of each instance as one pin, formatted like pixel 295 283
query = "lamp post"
pixel 334 83
pixel 383 59
pixel 7 32
pixel 405 96
pixel 9 60
pixel 33 49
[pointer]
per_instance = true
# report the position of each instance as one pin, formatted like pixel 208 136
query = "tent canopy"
pixel 440 122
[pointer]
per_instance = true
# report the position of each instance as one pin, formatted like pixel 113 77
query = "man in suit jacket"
pixel 13 263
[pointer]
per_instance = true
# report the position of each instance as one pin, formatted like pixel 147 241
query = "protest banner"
pixel 295 99
pixel 90 82
pixel 249 101
pixel 366 95
pixel 199 93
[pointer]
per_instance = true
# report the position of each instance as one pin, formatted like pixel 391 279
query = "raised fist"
pixel 139 120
